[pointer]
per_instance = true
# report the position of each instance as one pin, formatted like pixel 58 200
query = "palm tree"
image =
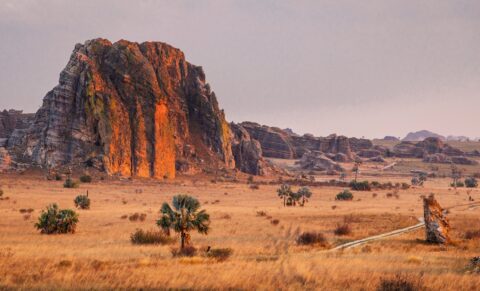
pixel 284 192
pixel 356 168
pixel 304 193
pixel 184 218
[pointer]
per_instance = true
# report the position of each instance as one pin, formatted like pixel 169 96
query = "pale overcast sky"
pixel 359 68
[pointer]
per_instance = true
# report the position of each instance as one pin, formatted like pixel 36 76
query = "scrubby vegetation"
pixel 86 178
pixel 312 238
pixel 141 237
pixel 472 234
pixel 137 217
pixel 70 183
pixel 360 186
pixel 186 251
pixel 457 184
pixel 219 254
pixel 183 218
pixel 82 202
pixel 53 220
pixel 343 229
pixel 399 283
pixel 344 195
pixel 471 182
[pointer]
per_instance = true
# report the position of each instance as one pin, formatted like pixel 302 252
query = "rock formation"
pixel 421 135
pixel 247 152
pixel 130 109
pixel 432 150
pixel 318 161
pixel 436 222
pixel 285 144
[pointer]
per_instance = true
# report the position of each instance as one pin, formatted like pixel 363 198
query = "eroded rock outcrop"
pixel 247 152
pixel 131 109
pixel 318 161
pixel 275 142
pixel 436 222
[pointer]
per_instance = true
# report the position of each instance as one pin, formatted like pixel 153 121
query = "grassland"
pixel 100 255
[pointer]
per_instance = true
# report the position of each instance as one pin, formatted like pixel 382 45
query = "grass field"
pixel 265 256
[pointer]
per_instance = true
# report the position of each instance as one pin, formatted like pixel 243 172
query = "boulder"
pixel 436 222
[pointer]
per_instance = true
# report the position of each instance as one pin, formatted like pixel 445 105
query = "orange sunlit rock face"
pixel 164 162
pixel 129 109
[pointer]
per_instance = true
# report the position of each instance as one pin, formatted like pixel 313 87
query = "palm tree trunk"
pixel 182 239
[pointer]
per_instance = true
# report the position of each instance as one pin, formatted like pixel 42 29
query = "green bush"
pixel 69 183
pixel 150 237
pixel 471 182
pixel 219 254
pixel 360 186
pixel 459 184
pixel 82 202
pixel 86 179
pixel 54 220
pixel 58 177
pixel 344 195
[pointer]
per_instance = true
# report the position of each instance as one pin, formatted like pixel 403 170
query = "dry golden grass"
pixel 265 256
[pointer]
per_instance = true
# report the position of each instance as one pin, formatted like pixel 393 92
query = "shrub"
pixel 69 183
pixel 1 192
pixel 459 184
pixel 86 179
pixel 343 229
pixel 275 221
pixel 23 210
pixel 187 251
pixel 55 220
pixel 250 179
pixel 344 195
pixel 137 217
pixel 471 182
pixel 254 186
pixel 220 254
pixel 141 237
pixel 261 213
pixel 58 177
pixel 82 202
pixel 360 186
pixel 472 234
pixel 405 186
pixel 312 238
pixel 398 283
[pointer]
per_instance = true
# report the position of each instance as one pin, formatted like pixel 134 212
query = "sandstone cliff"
pixel 130 109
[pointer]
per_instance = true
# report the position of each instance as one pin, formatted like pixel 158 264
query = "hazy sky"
pixel 360 68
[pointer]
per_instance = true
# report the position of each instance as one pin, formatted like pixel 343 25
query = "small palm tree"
pixel 304 193
pixel 285 191
pixel 184 218
pixel 356 168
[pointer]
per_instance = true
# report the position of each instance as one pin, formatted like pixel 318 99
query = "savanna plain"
pixel 251 222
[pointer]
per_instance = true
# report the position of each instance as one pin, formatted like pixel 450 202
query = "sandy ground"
pixel 100 255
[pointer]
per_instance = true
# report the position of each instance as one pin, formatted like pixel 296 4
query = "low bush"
pixel 220 254
pixel 82 202
pixel 471 182
pixel 150 237
pixel 254 186
pixel 405 186
pixel 459 184
pixel 360 186
pixel 69 183
pixel 399 283
pixel 312 238
pixel 23 210
pixel 1 192
pixel 54 220
pixel 188 251
pixel 275 221
pixel 137 217
pixel 261 213
pixel 58 177
pixel 344 195
pixel 342 229
pixel 86 179
pixel 472 234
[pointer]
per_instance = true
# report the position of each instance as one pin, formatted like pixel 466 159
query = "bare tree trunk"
pixel 182 238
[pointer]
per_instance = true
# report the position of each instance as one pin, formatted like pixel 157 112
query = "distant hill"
pixel 421 135
pixel 457 138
